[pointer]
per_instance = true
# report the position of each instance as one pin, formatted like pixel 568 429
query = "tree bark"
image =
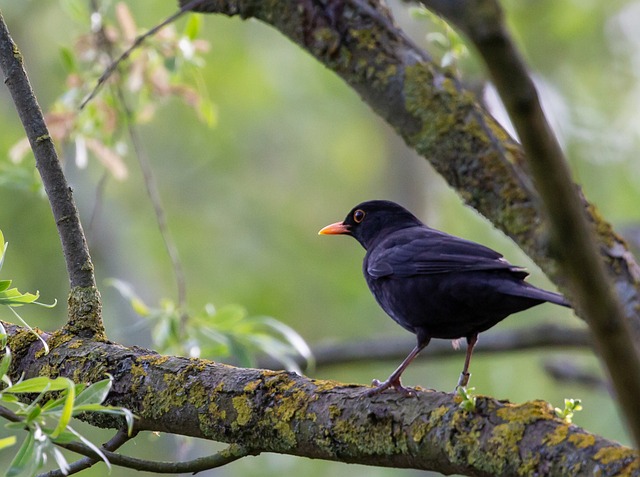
pixel 285 413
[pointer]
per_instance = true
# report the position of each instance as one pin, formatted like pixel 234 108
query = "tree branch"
pixel 84 299
pixel 266 411
pixel 224 457
pixel 117 441
pixel 573 238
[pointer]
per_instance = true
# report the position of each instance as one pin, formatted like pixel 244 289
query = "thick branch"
pixel 433 113
pixel 266 411
pixel 573 238
pixel 84 299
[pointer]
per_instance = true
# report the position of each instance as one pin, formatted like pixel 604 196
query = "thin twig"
pixel 117 441
pixel 573 240
pixel 232 453
pixel 137 42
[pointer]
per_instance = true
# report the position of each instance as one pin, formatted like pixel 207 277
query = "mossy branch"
pixel 571 233
pixel 267 411
pixel 436 116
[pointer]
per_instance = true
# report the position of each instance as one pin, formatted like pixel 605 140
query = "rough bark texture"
pixel 437 117
pixel 282 412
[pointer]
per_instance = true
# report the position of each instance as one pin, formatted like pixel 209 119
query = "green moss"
pixel 334 411
pixel 582 440
pixel 242 406
pixel 558 436
pixel 608 455
pixel 85 313
pixel 381 438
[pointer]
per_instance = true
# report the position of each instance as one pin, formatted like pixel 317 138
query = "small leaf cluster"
pixel 227 332
pixel 468 398
pixel 43 406
pixel 11 297
pixel 442 38
pixel 571 406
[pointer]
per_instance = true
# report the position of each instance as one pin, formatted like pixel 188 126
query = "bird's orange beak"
pixel 335 229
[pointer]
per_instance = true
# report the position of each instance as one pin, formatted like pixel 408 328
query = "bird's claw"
pixel 379 387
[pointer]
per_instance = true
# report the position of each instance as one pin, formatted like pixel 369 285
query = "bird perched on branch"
pixel 432 283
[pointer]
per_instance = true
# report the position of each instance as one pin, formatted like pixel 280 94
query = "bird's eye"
pixel 358 216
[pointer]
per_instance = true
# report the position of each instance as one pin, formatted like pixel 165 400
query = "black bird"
pixel 432 283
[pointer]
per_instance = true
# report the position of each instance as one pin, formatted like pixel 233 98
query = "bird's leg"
pixel 393 381
pixel 465 375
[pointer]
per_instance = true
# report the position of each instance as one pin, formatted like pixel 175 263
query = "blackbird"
pixel 432 283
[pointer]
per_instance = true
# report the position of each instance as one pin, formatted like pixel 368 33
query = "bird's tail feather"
pixel 530 291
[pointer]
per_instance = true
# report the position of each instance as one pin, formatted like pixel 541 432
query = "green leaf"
pixel 68 59
pixel 25 458
pixel 193 26
pixel 92 446
pixel 4 284
pixel 3 249
pixel 63 465
pixel 5 362
pixel 12 297
pixel 40 384
pixel 94 394
pixel 126 290
pixel 7 442
pixel 67 411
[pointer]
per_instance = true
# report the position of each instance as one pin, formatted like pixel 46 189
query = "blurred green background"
pixel 293 150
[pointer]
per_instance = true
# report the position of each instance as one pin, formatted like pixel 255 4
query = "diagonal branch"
pixel 85 307
pixel 76 253
pixel 266 411
pixel 572 236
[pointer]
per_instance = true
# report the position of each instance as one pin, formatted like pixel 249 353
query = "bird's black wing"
pixel 424 251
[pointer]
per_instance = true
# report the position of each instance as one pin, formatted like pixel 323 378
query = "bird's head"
pixel 370 221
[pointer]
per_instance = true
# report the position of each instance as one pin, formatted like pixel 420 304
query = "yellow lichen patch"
pixel 75 344
pixel 323 385
pixel 418 431
pixel 252 385
pixel 558 436
pixel 527 412
pixel 505 439
pixel 242 406
pixel 582 440
pixel 381 438
pixel 290 405
pixel 157 359
pixel 334 411
pixel 607 455
pixel 632 468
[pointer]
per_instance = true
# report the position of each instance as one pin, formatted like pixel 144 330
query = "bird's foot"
pixel 462 381
pixel 382 386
